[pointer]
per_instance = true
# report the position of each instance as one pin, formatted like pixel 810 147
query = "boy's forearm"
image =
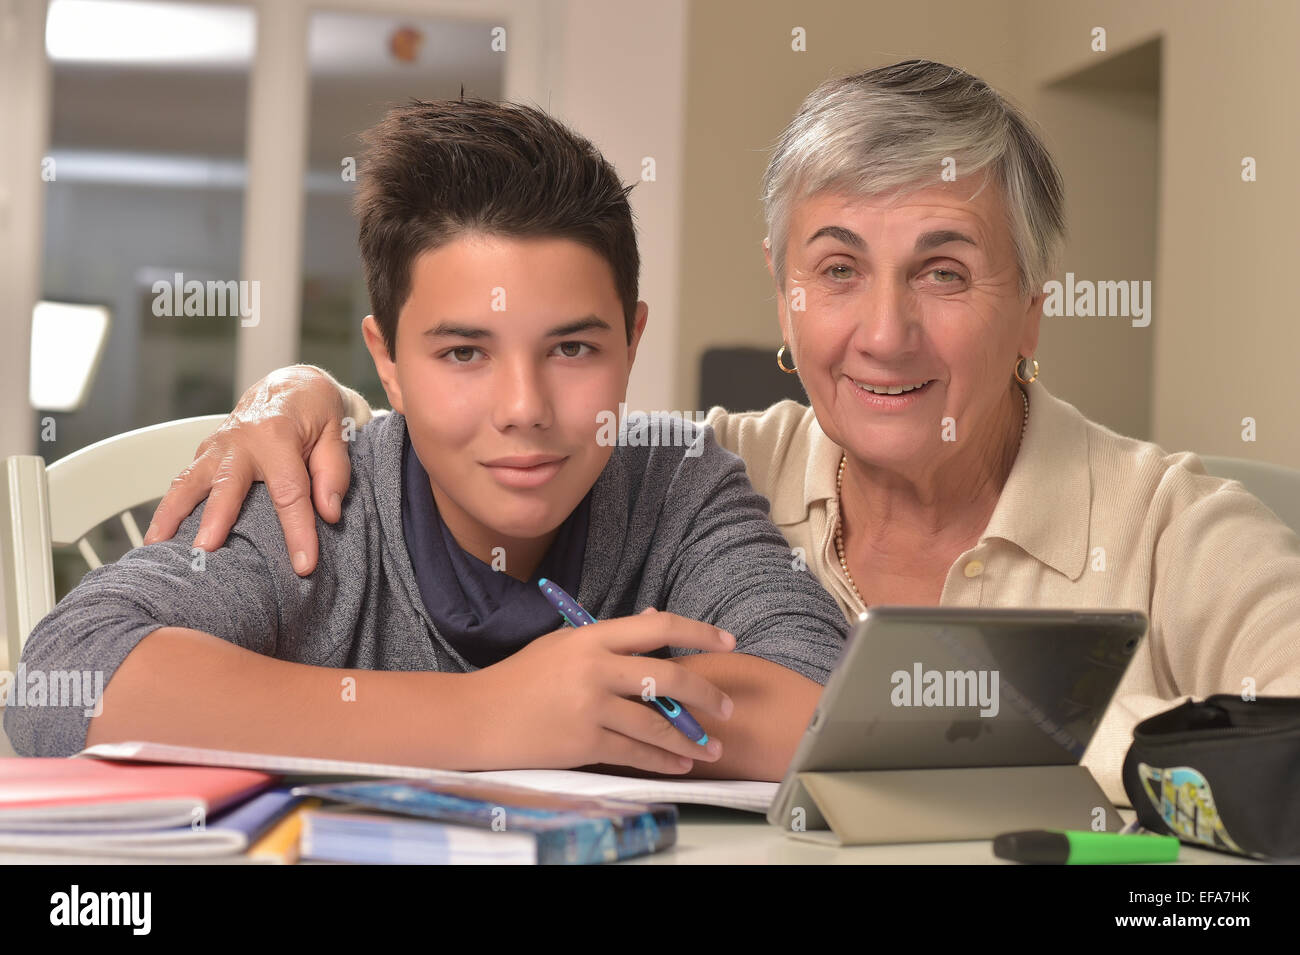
pixel 773 708
pixel 191 688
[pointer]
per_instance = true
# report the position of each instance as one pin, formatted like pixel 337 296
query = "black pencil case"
pixel 1223 773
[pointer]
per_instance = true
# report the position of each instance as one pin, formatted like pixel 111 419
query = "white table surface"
pixel 711 836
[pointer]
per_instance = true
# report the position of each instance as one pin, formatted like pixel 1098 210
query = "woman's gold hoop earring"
pixel 780 360
pixel 1020 363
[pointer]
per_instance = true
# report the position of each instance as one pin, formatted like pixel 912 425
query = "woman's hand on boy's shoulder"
pixel 573 697
pixel 286 430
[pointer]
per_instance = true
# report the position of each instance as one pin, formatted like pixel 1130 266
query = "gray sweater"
pixel 684 533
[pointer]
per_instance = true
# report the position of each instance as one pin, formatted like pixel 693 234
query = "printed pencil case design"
pixel 1222 773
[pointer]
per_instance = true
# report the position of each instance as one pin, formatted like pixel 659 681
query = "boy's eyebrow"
pixel 579 325
pixel 454 330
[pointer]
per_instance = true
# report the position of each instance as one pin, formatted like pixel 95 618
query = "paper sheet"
pixel 729 793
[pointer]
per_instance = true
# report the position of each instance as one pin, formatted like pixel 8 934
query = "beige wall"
pixel 1153 187
pixel 1102 128
pixel 616 72
pixel 1226 340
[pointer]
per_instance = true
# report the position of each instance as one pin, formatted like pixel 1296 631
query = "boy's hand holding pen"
pixel 581 696
pixel 576 616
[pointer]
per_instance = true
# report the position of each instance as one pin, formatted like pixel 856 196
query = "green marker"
pixel 1067 847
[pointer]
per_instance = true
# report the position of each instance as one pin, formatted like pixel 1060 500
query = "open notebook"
pixel 729 793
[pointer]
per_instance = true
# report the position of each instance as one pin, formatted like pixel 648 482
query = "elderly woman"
pixel 912 215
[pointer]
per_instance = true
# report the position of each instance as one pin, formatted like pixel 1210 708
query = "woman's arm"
pixel 290 430
pixel 1225 616
pixel 1225 608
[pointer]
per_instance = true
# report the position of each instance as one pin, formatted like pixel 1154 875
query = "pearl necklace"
pixel 839 519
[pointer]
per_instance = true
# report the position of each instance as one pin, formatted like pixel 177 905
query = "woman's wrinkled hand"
pixel 287 430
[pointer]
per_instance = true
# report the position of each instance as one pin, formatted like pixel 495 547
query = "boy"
pixel 501 262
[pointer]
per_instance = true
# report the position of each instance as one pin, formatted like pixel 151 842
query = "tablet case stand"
pixel 869 807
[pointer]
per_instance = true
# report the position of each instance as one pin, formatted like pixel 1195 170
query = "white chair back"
pixel 41 507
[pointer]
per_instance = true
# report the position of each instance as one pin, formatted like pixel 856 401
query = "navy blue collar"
pixel 485 614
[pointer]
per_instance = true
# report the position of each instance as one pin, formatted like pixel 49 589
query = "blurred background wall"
pixel 211 139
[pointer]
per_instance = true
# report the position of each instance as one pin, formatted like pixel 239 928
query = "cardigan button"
pixel 974 568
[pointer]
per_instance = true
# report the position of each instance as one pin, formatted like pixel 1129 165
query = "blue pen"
pixel 575 616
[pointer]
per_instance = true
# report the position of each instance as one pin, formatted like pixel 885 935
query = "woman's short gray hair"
pixel 892 128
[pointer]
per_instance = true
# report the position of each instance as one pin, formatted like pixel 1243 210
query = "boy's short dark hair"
pixel 434 171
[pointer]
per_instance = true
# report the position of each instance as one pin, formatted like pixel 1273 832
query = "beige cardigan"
pixel 1088 519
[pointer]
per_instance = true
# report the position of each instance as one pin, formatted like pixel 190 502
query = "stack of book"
pixel 138 810
pixel 151 802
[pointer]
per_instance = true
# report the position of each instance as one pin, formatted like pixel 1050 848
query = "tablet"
pixel 953 687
